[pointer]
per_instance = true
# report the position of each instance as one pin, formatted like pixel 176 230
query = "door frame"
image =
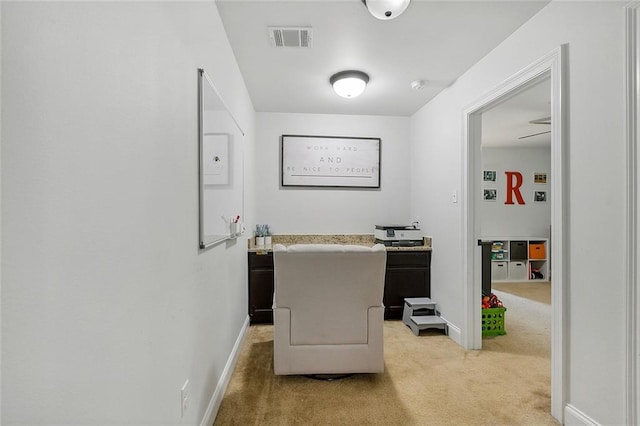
pixel 632 82
pixel 553 66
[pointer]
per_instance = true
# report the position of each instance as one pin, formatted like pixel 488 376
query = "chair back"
pixel 328 289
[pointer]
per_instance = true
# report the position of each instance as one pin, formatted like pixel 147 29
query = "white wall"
pixel 292 210
pixel 108 305
pixel 595 196
pixel 531 219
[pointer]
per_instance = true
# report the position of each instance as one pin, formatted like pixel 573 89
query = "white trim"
pixel 552 65
pixel 632 81
pixel 472 336
pixel 559 221
pixel 1 210
pixel 575 417
pixel 218 394
pixel 454 332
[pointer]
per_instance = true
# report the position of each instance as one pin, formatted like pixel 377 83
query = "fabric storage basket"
pixel 493 321
pixel 537 251
pixel 517 270
pixel 499 271
pixel 518 250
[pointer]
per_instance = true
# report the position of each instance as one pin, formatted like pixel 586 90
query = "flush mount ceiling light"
pixel 349 84
pixel 386 9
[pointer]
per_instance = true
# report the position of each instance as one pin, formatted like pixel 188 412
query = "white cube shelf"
pixel 519 259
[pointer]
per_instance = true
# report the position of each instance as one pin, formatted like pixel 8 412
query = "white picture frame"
pixel 490 194
pixel 216 159
pixel 539 196
pixel 489 175
pixel 540 178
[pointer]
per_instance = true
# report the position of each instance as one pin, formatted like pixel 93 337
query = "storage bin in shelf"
pixel 537 251
pixel 518 250
pixel 499 270
pixel 518 270
pixel 493 320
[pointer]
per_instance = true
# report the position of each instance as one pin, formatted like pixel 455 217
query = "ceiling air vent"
pixel 290 36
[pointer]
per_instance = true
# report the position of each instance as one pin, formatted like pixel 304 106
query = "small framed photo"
pixel 490 195
pixel 540 196
pixel 539 177
pixel 216 158
pixel 489 176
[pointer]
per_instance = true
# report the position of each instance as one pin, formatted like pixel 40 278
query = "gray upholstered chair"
pixel 328 314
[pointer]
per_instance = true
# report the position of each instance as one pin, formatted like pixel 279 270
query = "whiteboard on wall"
pixel 221 186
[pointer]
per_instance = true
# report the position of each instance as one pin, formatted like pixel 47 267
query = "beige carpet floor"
pixel 428 380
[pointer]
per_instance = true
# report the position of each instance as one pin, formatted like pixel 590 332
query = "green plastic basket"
pixel 493 321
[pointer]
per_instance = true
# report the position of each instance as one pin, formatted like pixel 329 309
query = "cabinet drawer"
pixel 260 260
pixel 416 258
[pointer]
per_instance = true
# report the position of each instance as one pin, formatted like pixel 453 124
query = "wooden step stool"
pixel 422 322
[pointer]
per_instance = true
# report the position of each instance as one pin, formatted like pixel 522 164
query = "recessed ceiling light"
pixel 349 84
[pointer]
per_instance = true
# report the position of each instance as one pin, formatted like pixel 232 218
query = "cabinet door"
pixel 261 296
pixel 260 288
pixel 402 282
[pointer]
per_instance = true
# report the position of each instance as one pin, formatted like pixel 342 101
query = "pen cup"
pixel 236 229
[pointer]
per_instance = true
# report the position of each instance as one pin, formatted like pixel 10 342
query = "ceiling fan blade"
pixel 535 134
pixel 544 120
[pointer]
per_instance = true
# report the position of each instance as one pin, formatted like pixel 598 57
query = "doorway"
pixel 549 67
pixel 515 216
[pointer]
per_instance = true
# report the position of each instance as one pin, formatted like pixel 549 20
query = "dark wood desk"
pixel 408 275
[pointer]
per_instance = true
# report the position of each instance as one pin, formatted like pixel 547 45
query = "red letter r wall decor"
pixel 514 182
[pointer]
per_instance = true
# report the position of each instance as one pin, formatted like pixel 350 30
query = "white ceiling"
pixel 433 40
pixel 508 124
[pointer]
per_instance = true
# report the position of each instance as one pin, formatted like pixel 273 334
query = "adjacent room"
pixel 319 212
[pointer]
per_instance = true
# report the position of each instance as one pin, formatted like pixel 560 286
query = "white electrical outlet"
pixel 184 398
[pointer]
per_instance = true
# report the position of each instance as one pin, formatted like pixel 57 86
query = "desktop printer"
pixel 398 235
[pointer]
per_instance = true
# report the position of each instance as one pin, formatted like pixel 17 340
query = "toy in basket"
pixel 493 316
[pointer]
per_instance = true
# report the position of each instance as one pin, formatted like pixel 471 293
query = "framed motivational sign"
pixel 330 161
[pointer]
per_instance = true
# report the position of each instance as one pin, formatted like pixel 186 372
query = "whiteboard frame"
pixel 208 240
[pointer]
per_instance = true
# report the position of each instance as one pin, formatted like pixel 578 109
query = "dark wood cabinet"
pixel 260 288
pixel 408 275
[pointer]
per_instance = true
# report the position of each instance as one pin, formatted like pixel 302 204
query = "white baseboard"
pixel 575 417
pixel 454 332
pixel 221 387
